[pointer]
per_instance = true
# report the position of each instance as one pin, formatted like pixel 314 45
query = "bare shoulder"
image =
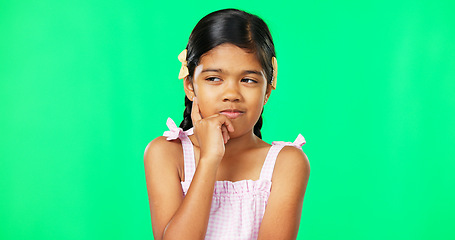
pixel 293 163
pixel 162 155
pixel 160 149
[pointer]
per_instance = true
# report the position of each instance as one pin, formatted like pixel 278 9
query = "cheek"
pixel 205 99
pixel 205 106
pixel 258 108
pixel 259 97
pixel 257 103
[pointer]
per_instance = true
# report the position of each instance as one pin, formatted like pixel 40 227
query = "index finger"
pixel 195 112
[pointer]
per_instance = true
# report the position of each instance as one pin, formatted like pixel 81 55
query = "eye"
pixel 213 79
pixel 248 80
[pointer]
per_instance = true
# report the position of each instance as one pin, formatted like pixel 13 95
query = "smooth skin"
pixel 227 77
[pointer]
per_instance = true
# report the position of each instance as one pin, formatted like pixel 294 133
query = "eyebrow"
pixel 253 72
pixel 220 71
pixel 211 70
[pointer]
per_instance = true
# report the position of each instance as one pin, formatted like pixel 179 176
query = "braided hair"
pixel 233 26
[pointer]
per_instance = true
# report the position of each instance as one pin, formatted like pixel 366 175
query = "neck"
pixel 247 140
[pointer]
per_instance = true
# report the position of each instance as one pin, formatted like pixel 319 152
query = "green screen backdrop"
pixel 86 85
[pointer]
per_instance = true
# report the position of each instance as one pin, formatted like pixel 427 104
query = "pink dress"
pixel 237 207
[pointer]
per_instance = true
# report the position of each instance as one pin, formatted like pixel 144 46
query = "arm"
pixel 175 217
pixel 282 214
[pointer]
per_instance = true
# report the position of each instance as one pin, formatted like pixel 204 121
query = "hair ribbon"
pixel 275 72
pixel 184 69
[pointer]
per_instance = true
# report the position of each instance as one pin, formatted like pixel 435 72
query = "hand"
pixel 212 132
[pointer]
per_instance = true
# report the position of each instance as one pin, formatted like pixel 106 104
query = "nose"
pixel 232 93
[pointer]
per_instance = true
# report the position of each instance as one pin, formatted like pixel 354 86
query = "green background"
pixel 85 85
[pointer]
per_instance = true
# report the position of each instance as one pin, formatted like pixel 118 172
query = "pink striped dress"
pixel 237 207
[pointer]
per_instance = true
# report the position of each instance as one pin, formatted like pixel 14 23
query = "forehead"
pixel 230 57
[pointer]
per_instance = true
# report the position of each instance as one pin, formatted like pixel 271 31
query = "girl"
pixel 212 177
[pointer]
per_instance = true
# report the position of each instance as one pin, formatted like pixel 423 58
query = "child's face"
pixel 229 78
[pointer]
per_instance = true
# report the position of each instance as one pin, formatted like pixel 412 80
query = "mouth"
pixel 232 113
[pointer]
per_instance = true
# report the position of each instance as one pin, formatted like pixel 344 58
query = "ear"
pixel 189 88
pixel 268 91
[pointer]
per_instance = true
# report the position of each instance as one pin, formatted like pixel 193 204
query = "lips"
pixel 232 113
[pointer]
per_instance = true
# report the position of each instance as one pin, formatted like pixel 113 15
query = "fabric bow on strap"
pixel 174 131
pixel 299 141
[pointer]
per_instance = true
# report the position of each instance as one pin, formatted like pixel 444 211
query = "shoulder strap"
pixel 269 163
pixel 270 160
pixel 188 151
pixel 188 158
